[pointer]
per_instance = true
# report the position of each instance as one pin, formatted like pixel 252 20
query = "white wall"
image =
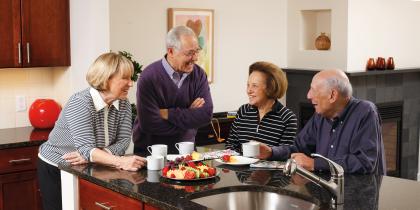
pixel 383 28
pixel 89 37
pixel 244 31
pixel 297 56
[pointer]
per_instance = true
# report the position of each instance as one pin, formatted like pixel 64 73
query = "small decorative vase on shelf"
pixel 43 113
pixel 390 63
pixel 380 63
pixel 370 65
pixel 322 42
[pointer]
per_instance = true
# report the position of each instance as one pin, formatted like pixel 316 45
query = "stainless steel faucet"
pixel 335 185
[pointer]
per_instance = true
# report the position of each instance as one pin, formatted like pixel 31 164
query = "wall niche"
pixel 313 23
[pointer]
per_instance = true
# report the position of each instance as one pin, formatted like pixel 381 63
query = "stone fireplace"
pixel 396 93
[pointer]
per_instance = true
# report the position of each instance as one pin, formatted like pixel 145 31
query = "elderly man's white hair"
pixel 337 79
pixel 173 38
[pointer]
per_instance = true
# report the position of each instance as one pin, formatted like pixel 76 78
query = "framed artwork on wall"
pixel 201 22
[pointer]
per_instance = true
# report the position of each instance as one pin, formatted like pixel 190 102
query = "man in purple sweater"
pixel 173 95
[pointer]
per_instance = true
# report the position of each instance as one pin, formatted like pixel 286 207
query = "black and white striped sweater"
pixel 277 127
pixel 80 127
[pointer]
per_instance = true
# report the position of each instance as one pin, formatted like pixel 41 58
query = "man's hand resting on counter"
pixel 304 161
pixel 265 152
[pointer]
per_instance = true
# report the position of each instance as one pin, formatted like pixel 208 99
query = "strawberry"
pixel 226 158
pixel 202 175
pixel 165 170
pixel 173 176
pixel 211 171
pixel 199 163
pixel 188 158
pixel 189 175
pixel 191 164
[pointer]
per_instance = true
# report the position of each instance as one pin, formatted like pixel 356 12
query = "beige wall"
pixel 298 56
pixel 245 31
pixel 383 28
pixel 31 84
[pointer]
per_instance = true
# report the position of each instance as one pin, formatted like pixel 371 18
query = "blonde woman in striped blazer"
pixel 94 126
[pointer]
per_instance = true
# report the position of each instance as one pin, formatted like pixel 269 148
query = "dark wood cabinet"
pixel 18 179
pixel 34 33
pixel 92 196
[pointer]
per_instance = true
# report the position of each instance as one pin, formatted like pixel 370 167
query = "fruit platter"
pixel 184 169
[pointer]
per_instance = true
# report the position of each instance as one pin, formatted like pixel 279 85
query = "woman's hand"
pixel 131 163
pixel 74 158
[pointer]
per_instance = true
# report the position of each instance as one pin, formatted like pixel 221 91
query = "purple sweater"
pixel 156 90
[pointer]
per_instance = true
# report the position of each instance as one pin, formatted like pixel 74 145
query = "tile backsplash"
pixel 31 83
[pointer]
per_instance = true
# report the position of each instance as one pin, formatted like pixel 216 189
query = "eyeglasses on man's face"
pixel 191 53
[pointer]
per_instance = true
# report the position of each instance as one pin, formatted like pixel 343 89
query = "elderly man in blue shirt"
pixel 344 129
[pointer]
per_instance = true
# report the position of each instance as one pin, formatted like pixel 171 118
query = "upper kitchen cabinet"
pixel 34 33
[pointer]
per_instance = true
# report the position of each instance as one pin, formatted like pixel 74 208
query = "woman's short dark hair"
pixel 276 80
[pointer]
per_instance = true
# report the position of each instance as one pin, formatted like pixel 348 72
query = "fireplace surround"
pixel 397 96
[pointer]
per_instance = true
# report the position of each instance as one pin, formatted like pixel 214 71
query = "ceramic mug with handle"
pixel 185 147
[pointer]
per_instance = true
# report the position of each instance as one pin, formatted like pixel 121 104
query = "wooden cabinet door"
pixel 95 197
pixel 19 191
pixel 45 33
pixel 10 43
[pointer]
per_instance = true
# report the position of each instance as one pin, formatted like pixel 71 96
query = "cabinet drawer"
pixel 18 159
pixel 92 196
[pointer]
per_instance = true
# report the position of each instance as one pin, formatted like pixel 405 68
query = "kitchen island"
pixel 150 191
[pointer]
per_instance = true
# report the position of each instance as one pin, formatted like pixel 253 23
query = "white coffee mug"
pixel 158 150
pixel 153 176
pixel 251 149
pixel 154 162
pixel 185 147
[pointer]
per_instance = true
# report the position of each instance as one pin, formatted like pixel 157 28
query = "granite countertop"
pixel 22 137
pixel 361 191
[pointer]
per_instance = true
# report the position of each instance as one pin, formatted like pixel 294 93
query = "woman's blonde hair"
pixel 106 66
pixel 276 80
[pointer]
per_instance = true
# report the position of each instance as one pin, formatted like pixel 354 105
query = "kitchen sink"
pixel 255 200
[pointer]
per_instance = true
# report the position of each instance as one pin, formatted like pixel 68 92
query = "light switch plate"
pixel 20 103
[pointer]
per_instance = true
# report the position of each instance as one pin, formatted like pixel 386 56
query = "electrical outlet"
pixel 20 103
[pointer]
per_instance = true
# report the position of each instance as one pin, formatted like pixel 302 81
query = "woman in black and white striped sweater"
pixel 264 118
pixel 94 126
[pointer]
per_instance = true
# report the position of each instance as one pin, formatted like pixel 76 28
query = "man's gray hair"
pixel 341 83
pixel 173 38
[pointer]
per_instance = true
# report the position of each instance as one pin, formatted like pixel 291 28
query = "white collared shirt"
pixel 100 104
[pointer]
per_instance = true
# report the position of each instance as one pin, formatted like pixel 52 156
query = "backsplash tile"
pixel 32 83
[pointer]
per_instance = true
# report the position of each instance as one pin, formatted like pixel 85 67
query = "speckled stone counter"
pixel 22 137
pixel 361 191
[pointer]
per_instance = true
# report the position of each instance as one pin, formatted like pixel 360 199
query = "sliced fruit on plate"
pixel 196 156
pixel 188 170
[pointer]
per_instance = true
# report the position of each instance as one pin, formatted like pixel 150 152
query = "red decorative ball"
pixel 43 113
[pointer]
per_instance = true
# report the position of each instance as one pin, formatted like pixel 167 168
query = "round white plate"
pixel 239 160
